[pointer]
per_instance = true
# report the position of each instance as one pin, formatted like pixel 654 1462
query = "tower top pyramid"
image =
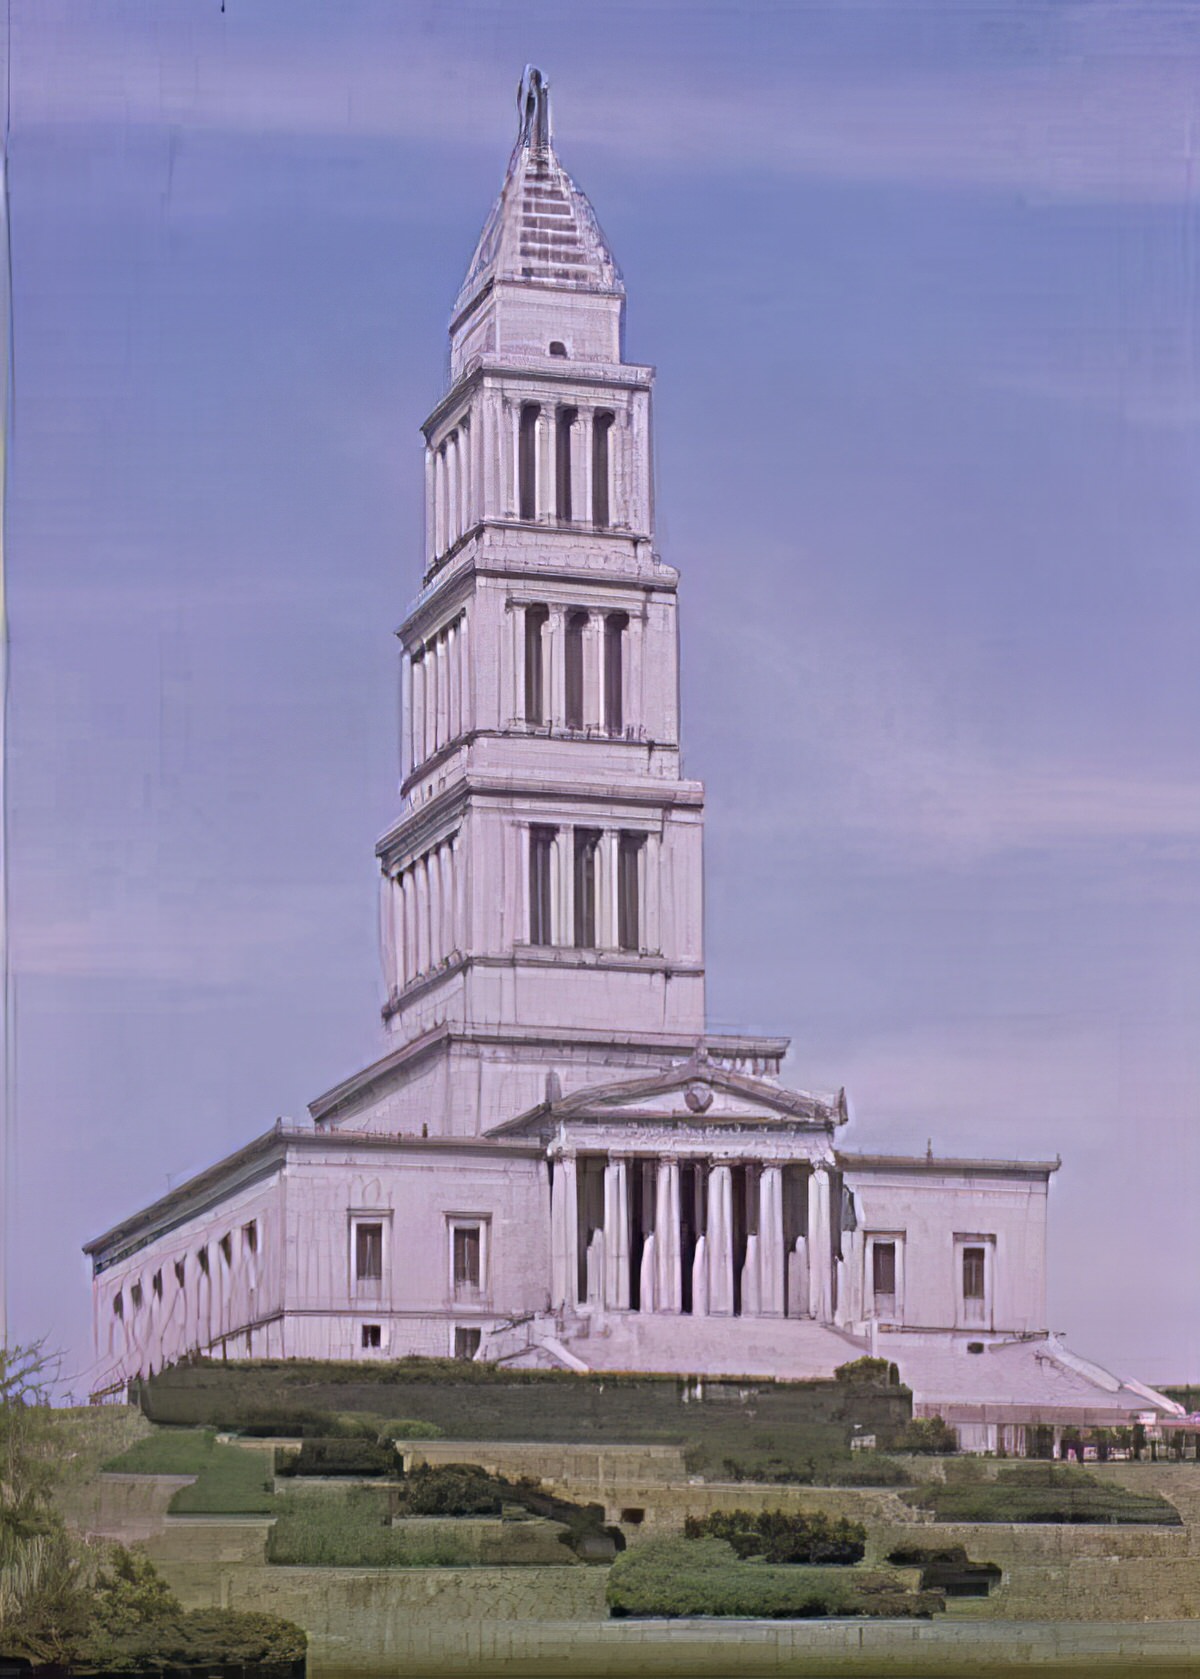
pixel 541 230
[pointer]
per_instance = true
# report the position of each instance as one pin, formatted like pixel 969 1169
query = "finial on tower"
pixel 533 104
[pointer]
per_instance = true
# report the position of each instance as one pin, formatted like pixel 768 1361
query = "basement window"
pixel 372 1336
pixel 466 1342
pixel 557 347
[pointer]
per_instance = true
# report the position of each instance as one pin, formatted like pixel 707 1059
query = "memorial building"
pixel 553 1162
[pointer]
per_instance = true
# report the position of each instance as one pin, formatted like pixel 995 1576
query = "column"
pixel 556 658
pixel 564 1233
pixel 487 497
pixel 453 529
pixel 406 709
pixel 388 932
pixel 635 697
pixel 466 711
pixel 421 887
pixel 417 730
pixel 720 1239
pixel 516 642
pixel 820 1278
pixel 439 502
pixel 651 892
pixel 616 1236
pixel 430 507
pixel 583 507
pixel 454 675
pixel 460 893
pixel 666 1224
pixel 593 671
pixel 429 660
pixel 511 456
pixel 445 863
pixel 443 693
pixel 562 915
pixel 638 512
pixel 544 445
pixel 408 926
pixel 606 904
pixel 770 1241
pixel 434 876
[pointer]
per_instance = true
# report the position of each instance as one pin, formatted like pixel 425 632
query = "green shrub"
pixel 346 1456
pixel 1041 1492
pixel 928 1435
pixel 198 1638
pixel 843 1469
pixel 875 1371
pixel 673 1577
pixel 452 1489
pixel 779 1537
pixel 348 1530
pixel 410 1428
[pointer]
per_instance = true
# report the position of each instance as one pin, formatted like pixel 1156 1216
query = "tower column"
pixel 466 710
pixel 544 489
pixel 454 685
pixel 511 456
pixel 452 490
pixel 556 658
pixel 593 671
pixel 417 719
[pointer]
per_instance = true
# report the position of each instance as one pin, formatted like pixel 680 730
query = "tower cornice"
pixel 632 376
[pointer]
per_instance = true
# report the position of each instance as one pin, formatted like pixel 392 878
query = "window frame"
pixel 479 1224
pixel 895 1239
pixel 975 1311
pixel 540 925
pixel 364 1287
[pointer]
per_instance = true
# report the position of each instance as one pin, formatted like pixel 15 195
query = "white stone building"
pixel 553 1161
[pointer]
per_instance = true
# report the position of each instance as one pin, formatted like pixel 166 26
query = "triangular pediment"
pixel 696 1093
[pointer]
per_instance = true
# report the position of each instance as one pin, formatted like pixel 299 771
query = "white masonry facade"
pixel 553 1162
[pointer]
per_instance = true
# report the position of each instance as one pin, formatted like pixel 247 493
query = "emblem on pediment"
pixel 698 1098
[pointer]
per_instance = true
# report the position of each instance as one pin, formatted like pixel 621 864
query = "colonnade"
pixel 645 912
pixel 473 471
pixel 437 684
pixel 597 671
pixel 674 1233
pixel 424 911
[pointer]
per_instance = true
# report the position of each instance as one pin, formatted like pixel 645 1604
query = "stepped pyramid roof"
pixel 542 229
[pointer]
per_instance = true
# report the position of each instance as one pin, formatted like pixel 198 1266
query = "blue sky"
pixel 920 282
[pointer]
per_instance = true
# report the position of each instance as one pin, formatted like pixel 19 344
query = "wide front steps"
pixel 786 1348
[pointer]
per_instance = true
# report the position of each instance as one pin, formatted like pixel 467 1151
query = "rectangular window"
pixel 562 464
pixel 974 1274
pixel 601 426
pixel 527 461
pixel 883 1270
pixel 535 622
pixel 587 845
pixel 372 1335
pixel 629 930
pixel 615 626
pixel 466 1342
pixel 541 866
pixel 368 1253
pixel 467 1258
pixel 576 627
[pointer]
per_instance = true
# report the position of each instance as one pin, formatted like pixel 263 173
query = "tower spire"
pixel 533 105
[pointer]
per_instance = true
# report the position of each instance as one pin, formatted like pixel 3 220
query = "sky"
pixel 920 284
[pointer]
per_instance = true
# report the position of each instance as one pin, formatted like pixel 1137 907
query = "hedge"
pixel 676 1577
pixel 1041 1492
pixel 347 1530
pixel 230 1480
pixel 779 1537
pixel 201 1638
pixel 338 1457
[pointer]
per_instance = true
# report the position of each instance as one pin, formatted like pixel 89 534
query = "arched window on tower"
pixel 527 460
pixel 615 626
pixel 535 665
pixel 602 424
pixel 576 625
pixel 562 461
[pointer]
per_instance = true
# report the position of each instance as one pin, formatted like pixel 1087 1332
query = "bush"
pixel 674 1577
pixel 349 1530
pixel 452 1489
pixel 928 1435
pixel 877 1372
pixel 1041 1492
pixel 345 1456
pixel 410 1428
pixel 199 1638
pixel 779 1537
